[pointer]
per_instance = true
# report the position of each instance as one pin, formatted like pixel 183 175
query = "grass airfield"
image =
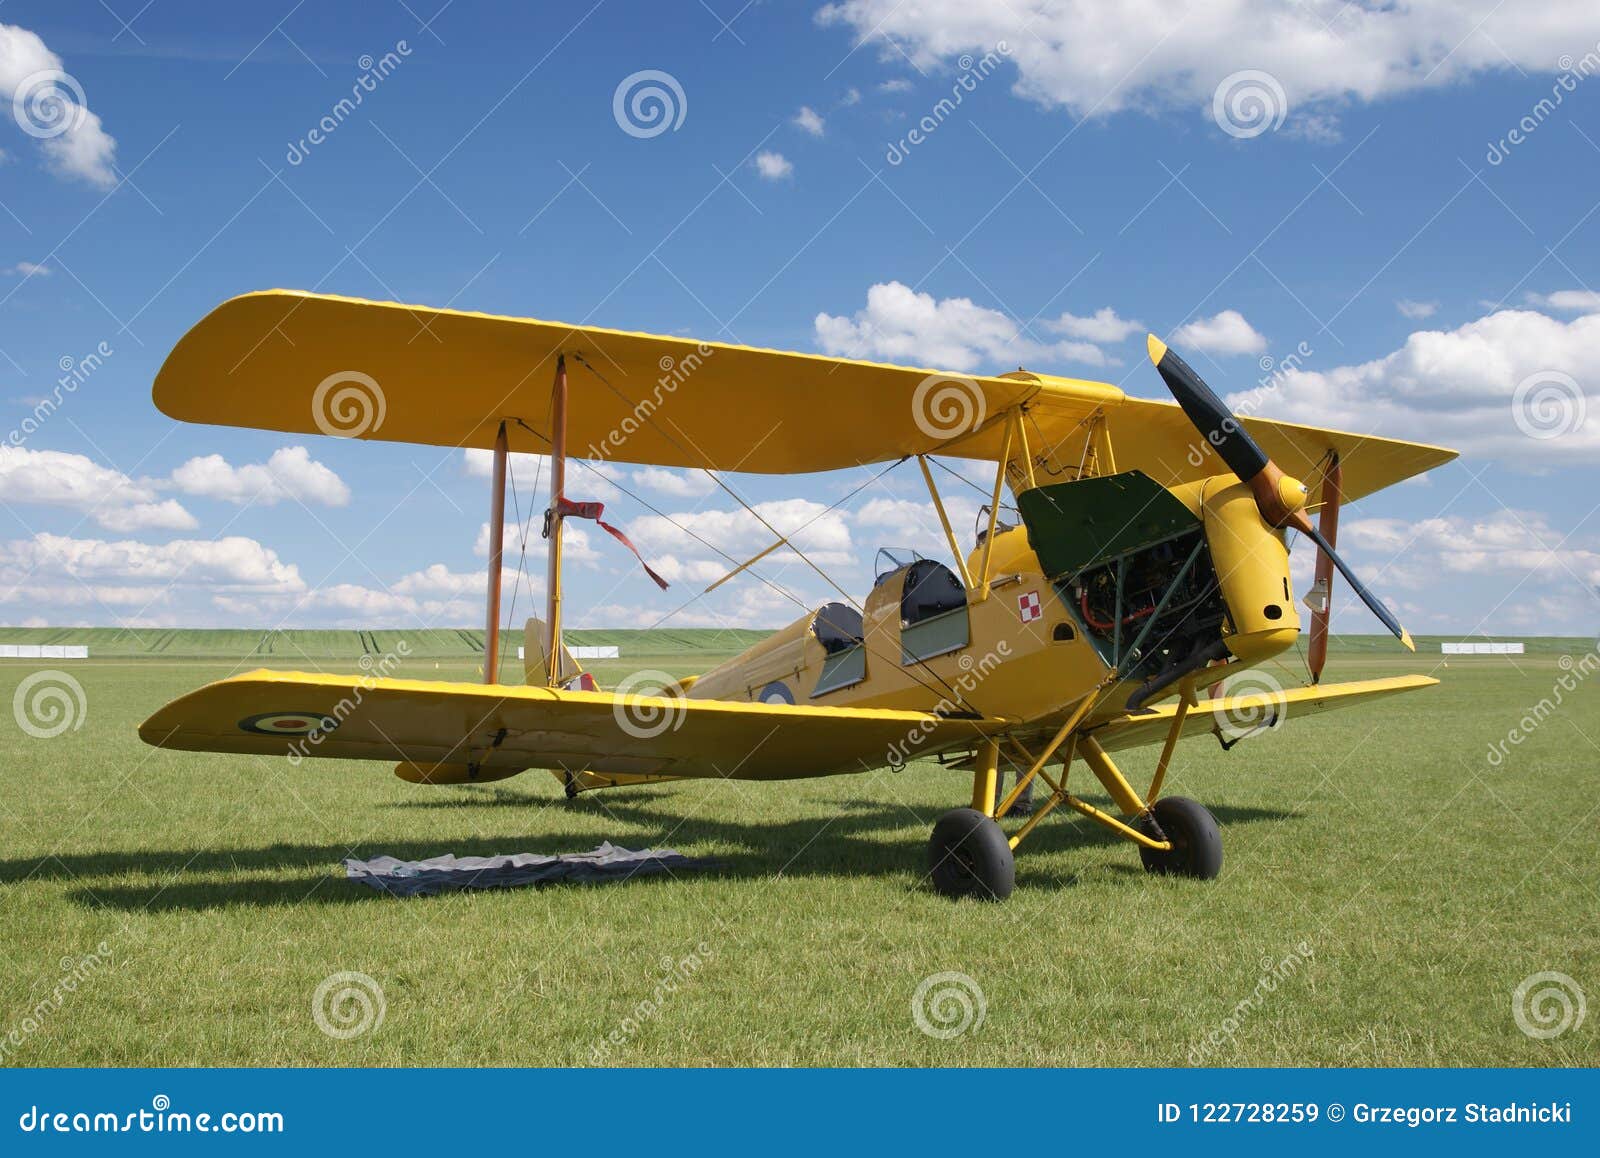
pixel 1414 882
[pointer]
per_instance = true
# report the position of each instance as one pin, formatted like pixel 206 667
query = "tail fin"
pixel 536 660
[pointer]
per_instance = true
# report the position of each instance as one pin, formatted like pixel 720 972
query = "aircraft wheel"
pixel 969 856
pixel 1196 842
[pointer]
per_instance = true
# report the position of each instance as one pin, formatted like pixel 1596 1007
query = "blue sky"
pixel 1093 176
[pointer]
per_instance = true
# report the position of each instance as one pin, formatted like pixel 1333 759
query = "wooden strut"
pixel 553 520
pixel 1328 524
pixel 497 535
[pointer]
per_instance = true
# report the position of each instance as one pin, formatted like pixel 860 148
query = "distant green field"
pixel 197 902
pixel 278 647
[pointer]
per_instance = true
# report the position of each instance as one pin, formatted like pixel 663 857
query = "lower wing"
pixel 451 731
pixel 1236 716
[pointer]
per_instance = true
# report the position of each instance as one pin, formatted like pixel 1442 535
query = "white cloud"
pixel 809 120
pixel 773 166
pixel 230 564
pixel 30 269
pixel 902 325
pixel 576 546
pixel 1224 333
pixel 291 473
pixel 1457 388
pixel 1416 311
pixel 1103 326
pixel 1570 301
pixel 586 480
pixel 680 484
pixel 116 502
pixel 912 523
pixel 896 84
pixel 1097 57
pixel 83 150
pixel 825 536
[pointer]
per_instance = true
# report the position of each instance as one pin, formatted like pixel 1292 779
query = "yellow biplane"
pixel 1146 564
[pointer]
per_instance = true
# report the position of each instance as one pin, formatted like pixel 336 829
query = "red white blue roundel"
pixel 288 723
pixel 1029 607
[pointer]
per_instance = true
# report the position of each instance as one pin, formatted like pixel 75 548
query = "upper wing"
pixel 313 363
pixel 1241 713
pixel 504 727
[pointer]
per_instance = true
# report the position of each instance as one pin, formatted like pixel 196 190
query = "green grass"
pixel 1426 881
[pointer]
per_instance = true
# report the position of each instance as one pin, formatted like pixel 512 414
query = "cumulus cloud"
pixel 680 484
pixel 1224 333
pixel 1515 384
pixel 76 482
pixel 30 269
pixel 1102 327
pixel 1097 57
pixel 808 120
pixel 231 564
pixel 822 534
pixel 1416 311
pixel 291 473
pixel 773 166
pixel 901 325
pixel 1570 301
pixel 52 109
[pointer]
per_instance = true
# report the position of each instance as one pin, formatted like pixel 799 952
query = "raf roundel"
pixel 1029 608
pixel 288 723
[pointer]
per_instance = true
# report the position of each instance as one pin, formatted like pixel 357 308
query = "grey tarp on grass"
pixel 437 874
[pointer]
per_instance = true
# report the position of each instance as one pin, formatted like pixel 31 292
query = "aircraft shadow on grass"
pixel 864 838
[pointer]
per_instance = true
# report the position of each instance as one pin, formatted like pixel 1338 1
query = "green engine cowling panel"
pixel 1075 525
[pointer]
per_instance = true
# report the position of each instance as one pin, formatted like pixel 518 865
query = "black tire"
pixel 969 856
pixel 1196 841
